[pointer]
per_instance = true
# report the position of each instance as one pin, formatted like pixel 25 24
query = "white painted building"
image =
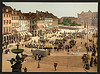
pixel 48 22
pixel 23 27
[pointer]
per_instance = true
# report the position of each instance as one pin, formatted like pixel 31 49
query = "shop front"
pixel 7 38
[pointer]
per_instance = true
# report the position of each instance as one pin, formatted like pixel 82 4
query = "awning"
pixel 21 34
pixel 24 33
pixel 29 33
pixel 16 29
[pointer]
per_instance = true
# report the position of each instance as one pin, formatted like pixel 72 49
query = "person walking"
pixel 91 61
pixel 55 65
pixel 95 61
pixel 25 69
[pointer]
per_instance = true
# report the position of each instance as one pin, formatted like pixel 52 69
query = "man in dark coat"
pixel 55 65
pixel 95 61
pixel 91 61
pixel 25 69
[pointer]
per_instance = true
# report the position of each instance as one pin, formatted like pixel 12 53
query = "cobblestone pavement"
pixel 66 63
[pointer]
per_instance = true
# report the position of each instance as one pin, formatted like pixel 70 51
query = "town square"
pixel 42 42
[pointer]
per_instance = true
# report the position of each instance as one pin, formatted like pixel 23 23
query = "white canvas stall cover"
pixel 39 52
pixel 21 34
pixel 29 33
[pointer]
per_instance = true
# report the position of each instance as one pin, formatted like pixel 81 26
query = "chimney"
pixel 19 10
pixel 46 11
pixel 36 11
pixel 14 9
pixel 29 13
pixel 82 11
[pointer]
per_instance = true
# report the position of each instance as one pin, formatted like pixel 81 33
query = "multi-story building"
pixel 88 18
pixel 48 23
pixel 55 22
pixel 42 15
pixel 15 23
pixel 23 26
pixel 31 26
pixel 6 23
pixel 15 19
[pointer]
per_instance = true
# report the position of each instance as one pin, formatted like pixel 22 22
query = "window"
pixel 4 21
pixel 7 21
pixel 7 15
pixel 4 29
pixel 4 15
pixel 9 29
pixel 12 18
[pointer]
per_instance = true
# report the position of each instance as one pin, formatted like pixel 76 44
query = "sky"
pixel 60 9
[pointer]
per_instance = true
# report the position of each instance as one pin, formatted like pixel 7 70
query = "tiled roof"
pixel 29 15
pixel 7 7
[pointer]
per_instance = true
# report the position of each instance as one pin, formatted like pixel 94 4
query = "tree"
pixel 59 21
pixel 65 21
pixel 69 20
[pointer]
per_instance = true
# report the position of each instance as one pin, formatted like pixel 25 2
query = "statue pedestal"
pixel 16 70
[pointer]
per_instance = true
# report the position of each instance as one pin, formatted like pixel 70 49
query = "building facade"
pixel 23 26
pixel 88 18
pixel 15 24
pixel 30 17
pixel 48 23
pixel 6 23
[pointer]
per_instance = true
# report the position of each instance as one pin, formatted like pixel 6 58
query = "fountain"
pixel 17 62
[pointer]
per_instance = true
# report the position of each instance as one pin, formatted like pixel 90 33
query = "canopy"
pixel 29 33
pixel 39 52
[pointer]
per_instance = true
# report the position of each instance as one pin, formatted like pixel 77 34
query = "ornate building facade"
pixel 88 18
pixel 6 23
